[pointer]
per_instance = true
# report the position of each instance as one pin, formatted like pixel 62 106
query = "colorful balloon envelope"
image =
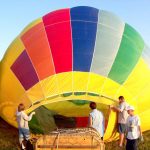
pixel 72 56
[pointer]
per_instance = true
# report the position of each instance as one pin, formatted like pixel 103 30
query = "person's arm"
pixel 140 130
pixel 139 126
pixel 118 109
pixel 126 132
pixel 90 121
pixel 26 117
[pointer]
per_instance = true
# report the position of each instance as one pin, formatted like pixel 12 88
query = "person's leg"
pixel 121 128
pixel 121 139
pixel 128 145
pixel 135 144
pixel 26 134
pixel 21 139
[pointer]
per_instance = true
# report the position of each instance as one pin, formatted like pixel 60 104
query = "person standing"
pixel 96 119
pixel 22 120
pixel 133 130
pixel 122 118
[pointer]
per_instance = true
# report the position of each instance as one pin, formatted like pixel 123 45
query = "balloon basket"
pixel 71 139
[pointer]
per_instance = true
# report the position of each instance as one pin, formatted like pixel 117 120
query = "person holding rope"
pixel 122 118
pixel 96 119
pixel 22 120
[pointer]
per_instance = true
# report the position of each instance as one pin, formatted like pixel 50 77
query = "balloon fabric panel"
pixel 109 34
pixel 37 47
pixel 24 71
pixel 59 37
pixel 84 27
pixel 128 55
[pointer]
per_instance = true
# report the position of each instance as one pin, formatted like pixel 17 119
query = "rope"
pixel 77 131
pixel 57 141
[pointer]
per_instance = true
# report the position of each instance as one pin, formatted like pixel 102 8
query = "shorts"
pixel 121 128
pixel 24 133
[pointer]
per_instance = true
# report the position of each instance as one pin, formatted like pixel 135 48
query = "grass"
pixel 142 145
pixel 9 139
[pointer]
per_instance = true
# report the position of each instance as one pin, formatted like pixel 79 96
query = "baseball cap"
pixel 130 108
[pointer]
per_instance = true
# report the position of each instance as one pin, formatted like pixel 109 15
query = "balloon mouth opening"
pixel 79 98
pixel 68 110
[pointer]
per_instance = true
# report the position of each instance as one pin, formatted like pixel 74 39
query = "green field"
pixel 9 139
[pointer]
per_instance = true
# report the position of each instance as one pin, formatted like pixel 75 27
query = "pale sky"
pixel 16 14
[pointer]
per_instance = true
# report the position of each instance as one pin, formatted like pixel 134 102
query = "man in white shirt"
pixel 122 118
pixel 96 119
pixel 133 129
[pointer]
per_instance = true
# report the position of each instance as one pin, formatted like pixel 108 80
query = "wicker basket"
pixel 71 139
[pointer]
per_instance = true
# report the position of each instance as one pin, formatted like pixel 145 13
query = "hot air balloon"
pixel 72 56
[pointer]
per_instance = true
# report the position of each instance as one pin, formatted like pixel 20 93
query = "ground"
pixel 9 139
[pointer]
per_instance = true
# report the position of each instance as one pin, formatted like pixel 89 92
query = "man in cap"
pixel 133 129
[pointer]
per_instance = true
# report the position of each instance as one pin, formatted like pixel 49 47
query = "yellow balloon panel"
pixel 138 79
pixel 143 100
pixel 109 88
pixel 124 92
pixel 50 86
pixel 25 100
pixel 110 132
pixel 65 82
pixel 145 121
pixel 9 111
pixel 12 88
pixel 13 51
pixel 35 93
pixel 80 80
pixel 103 100
pixel 95 83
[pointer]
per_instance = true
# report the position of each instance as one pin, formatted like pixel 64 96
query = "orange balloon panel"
pixel 41 47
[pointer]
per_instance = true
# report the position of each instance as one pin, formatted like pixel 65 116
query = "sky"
pixel 16 14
